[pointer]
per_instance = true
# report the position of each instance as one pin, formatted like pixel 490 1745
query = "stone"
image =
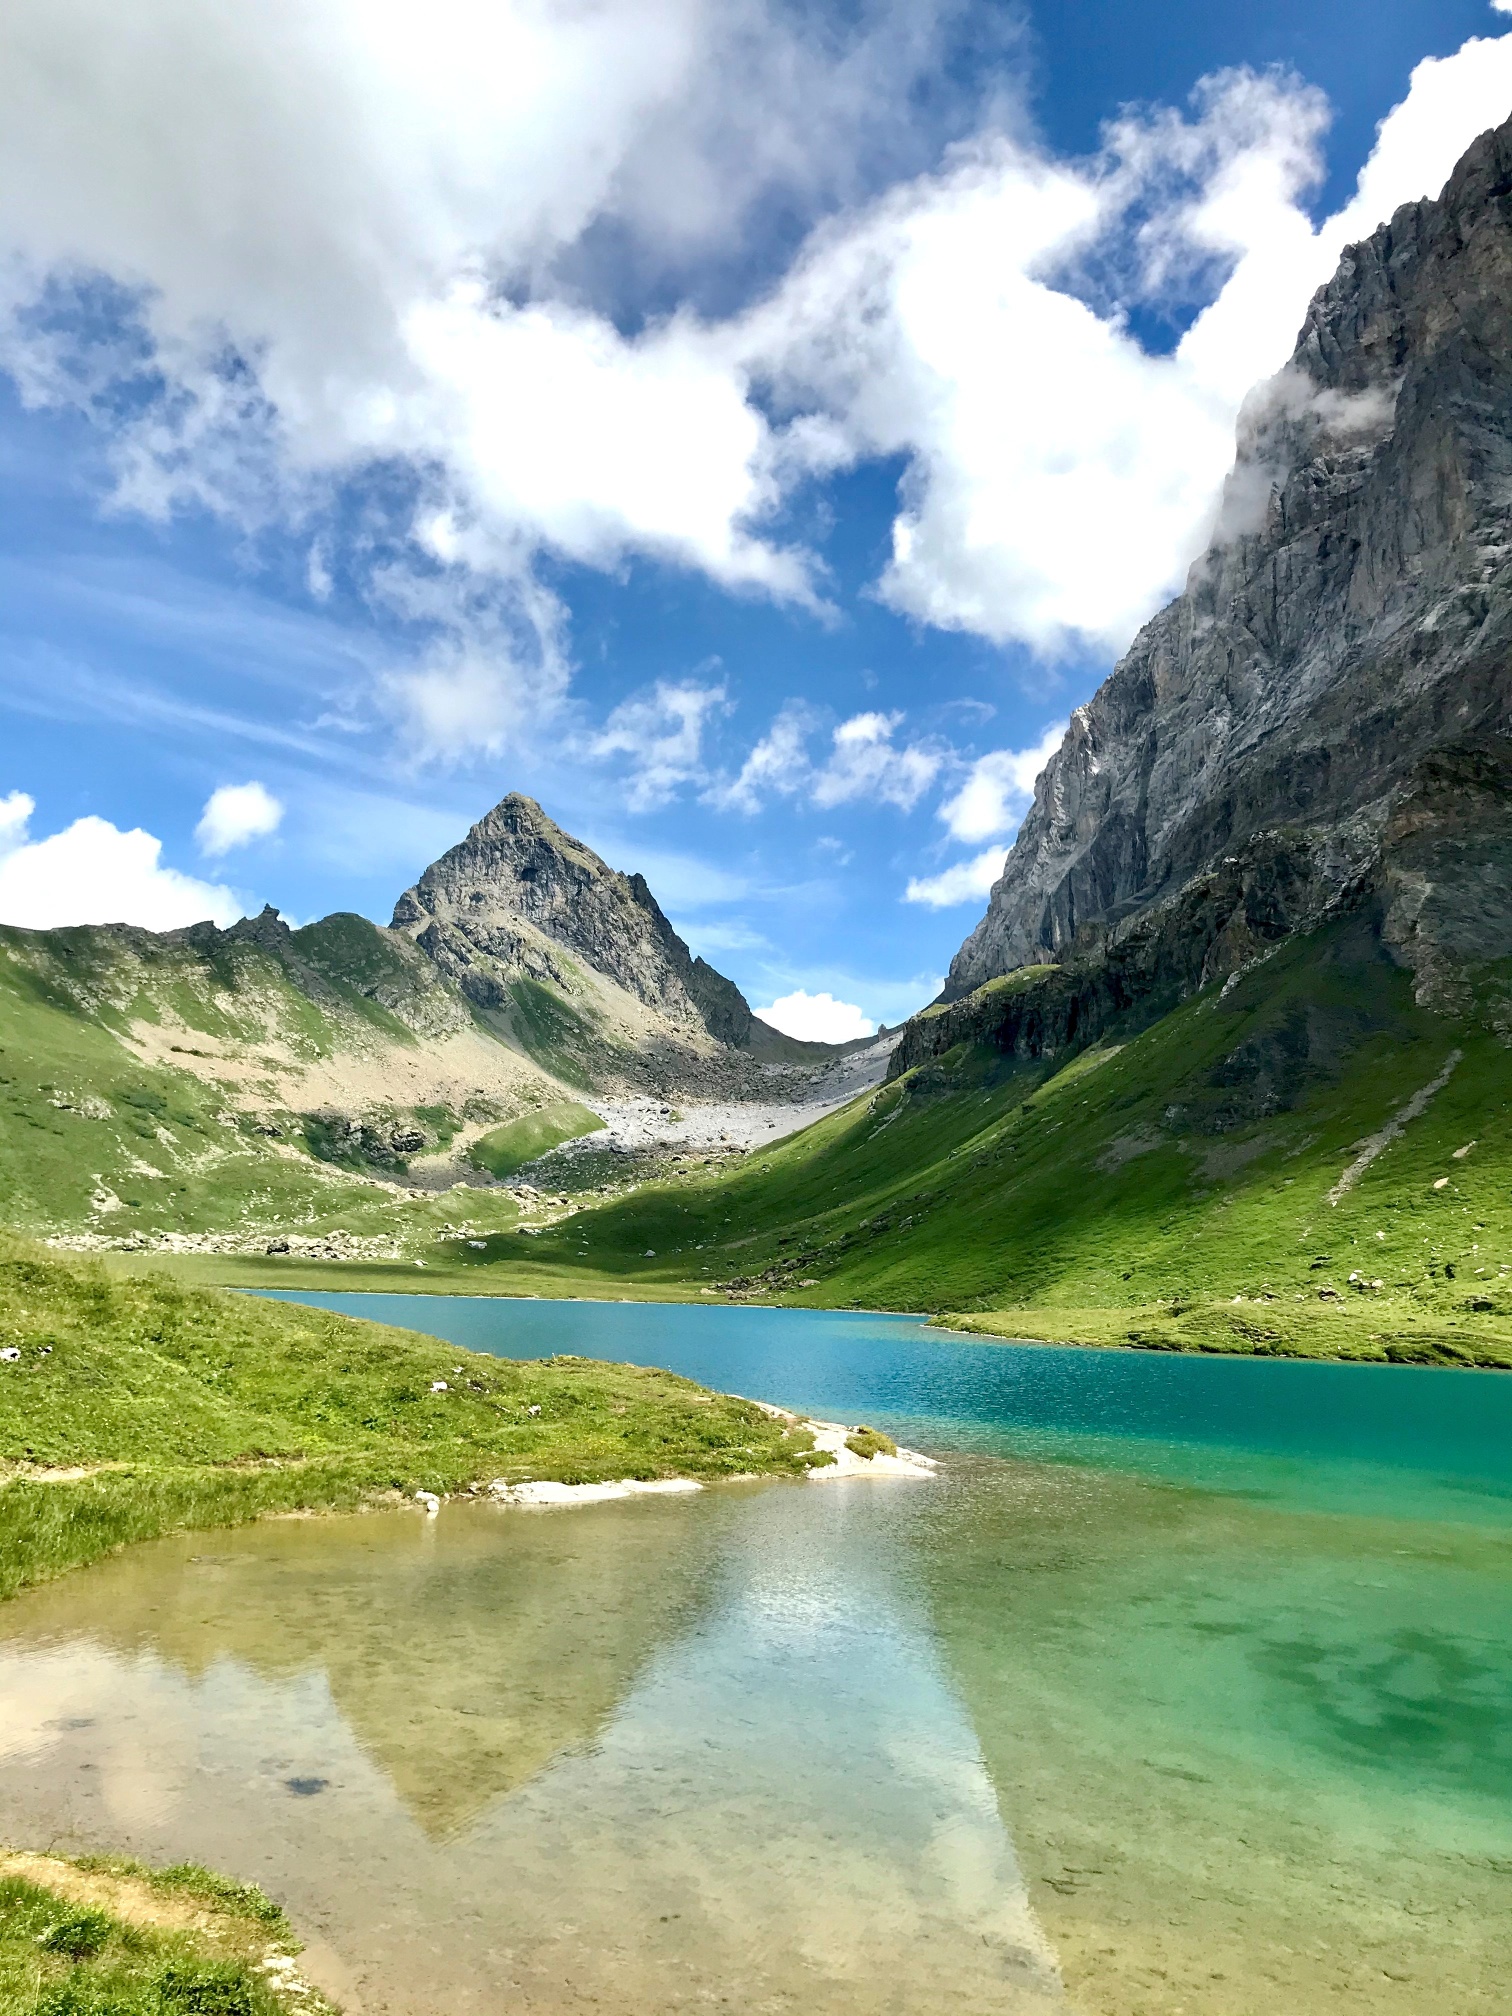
pixel 521 898
pixel 1320 720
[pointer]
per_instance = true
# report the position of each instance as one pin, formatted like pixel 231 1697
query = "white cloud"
pixel 661 732
pixel 1060 478
pixel 966 882
pixel 816 1018
pixel 998 788
pixel 348 238
pixel 335 233
pixel 92 873
pixel 236 814
pixel 779 762
pixel 15 813
pixel 863 762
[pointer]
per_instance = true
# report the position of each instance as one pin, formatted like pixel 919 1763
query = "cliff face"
pixel 519 896
pixel 1333 688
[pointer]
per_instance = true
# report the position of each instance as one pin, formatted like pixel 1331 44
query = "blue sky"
pixel 749 428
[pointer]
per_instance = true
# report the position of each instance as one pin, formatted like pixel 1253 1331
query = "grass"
pixel 94 1138
pixel 869 1442
pixel 1173 1187
pixel 138 1405
pixel 509 1148
pixel 102 1936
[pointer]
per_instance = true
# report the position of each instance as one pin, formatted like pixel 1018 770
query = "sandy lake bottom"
pixel 1199 1700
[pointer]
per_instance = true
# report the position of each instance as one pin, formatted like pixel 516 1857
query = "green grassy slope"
pixel 505 1149
pixel 136 1405
pixel 1170 1189
pixel 103 1936
pixel 93 1136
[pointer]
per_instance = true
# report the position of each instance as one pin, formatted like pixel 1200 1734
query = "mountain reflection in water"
pixel 651 1754
pixel 1211 1713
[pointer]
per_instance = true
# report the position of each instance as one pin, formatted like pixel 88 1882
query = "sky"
pixel 748 427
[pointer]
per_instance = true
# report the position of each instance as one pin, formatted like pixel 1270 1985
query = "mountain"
pixel 232 1084
pixel 1227 1065
pixel 1321 719
pixel 519 898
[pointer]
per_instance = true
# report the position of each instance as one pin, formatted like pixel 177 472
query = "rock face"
pixel 519 897
pixel 1323 715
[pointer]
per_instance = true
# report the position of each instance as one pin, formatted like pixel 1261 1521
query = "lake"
pixel 1185 1687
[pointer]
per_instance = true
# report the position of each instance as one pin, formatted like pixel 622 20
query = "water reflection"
pixel 1254 1760
pixel 859 1748
pixel 658 1754
pixel 462 1666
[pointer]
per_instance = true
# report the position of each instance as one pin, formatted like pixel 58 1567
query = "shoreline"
pixel 1427 1342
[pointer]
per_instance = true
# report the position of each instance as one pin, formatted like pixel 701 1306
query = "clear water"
pixel 1405 1439
pixel 1187 1687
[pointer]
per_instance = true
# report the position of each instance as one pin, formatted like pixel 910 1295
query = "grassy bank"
pixel 1302 1160
pixel 138 1404
pixel 101 1936
pixel 1305 1161
pixel 1372 1335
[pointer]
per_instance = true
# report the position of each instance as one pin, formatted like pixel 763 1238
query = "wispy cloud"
pixel 864 761
pixel 659 734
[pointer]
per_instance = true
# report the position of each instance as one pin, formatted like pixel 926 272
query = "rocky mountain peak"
pixel 1348 629
pixel 520 895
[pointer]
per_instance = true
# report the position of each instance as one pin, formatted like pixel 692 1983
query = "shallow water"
pixel 1186 1687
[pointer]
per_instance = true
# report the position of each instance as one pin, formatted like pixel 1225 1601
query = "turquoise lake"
pixel 1186 1686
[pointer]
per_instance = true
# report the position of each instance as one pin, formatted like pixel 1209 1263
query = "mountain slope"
pixel 238 1087
pixel 1228 1064
pixel 1339 660
pixel 1305 1160
pixel 519 905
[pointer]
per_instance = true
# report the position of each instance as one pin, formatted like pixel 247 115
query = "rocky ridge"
pixel 1321 720
pixel 519 897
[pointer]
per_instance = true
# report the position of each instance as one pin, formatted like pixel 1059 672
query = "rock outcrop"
pixel 521 898
pixel 1323 715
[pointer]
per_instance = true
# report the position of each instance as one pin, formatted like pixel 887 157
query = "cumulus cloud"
pixel 92 873
pixel 816 1018
pixel 863 762
pixel 998 788
pixel 661 735
pixel 779 764
pixel 1060 477
pixel 966 882
pixel 236 814
pixel 16 810
pixel 274 249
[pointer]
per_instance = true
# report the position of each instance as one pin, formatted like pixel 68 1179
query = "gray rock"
pixel 1323 714
pixel 519 897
